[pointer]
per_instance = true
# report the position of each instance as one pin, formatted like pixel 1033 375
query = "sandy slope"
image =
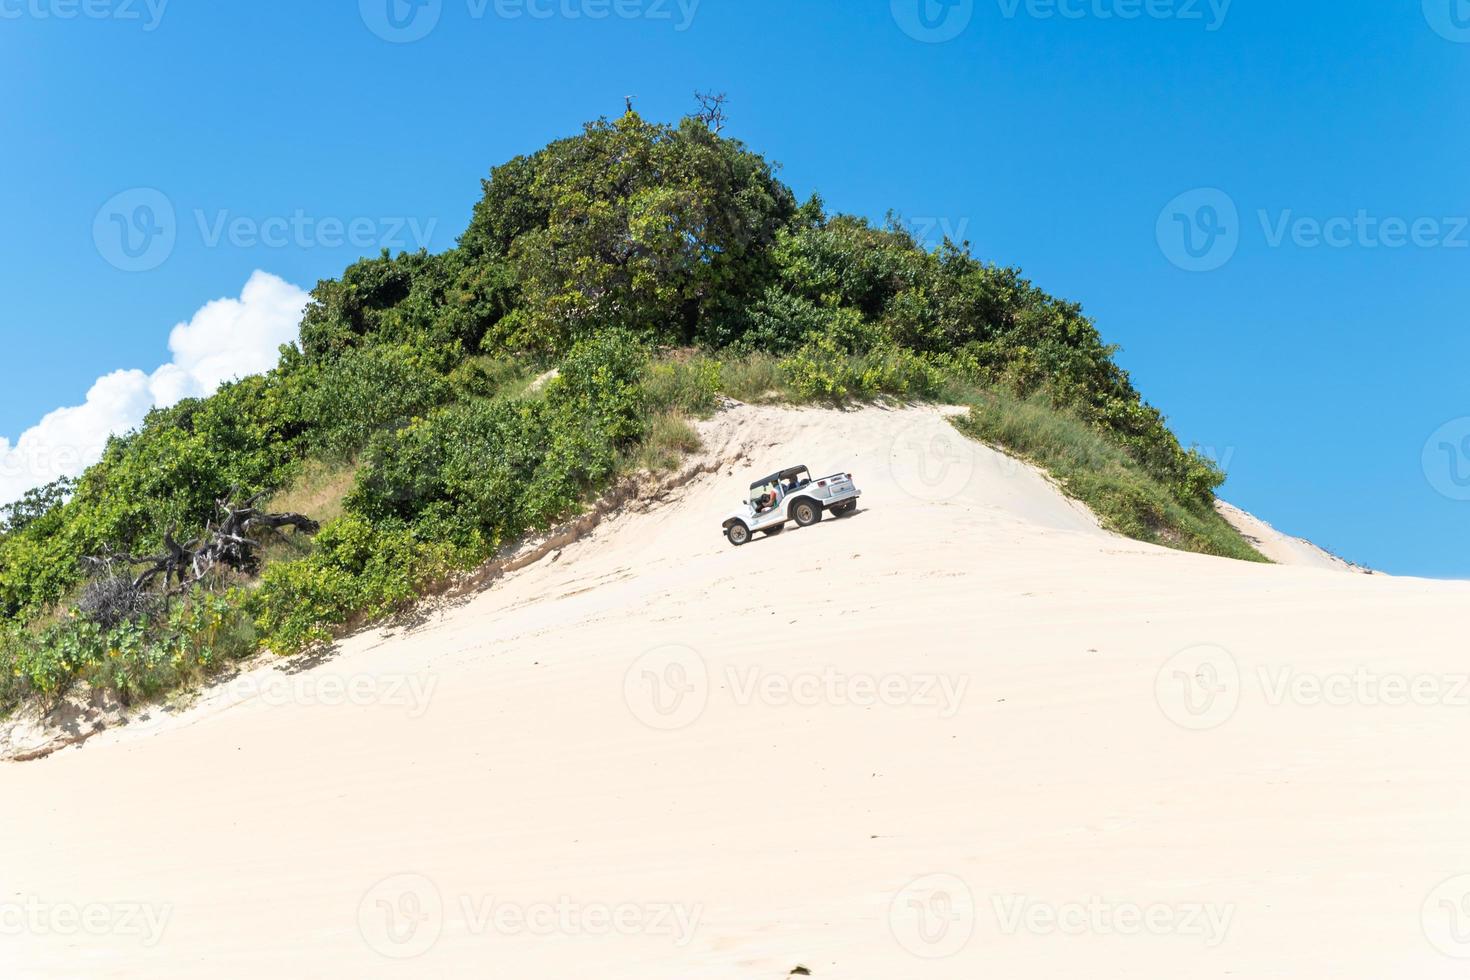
pixel 854 747
pixel 1282 548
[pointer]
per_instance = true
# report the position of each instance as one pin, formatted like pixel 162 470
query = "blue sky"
pixel 1264 204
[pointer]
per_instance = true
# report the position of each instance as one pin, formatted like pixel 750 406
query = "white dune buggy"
pixel 790 495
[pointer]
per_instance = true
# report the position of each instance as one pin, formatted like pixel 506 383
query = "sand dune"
pixel 1284 549
pixel 962 733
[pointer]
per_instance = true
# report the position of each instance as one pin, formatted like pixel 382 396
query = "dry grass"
pixel 317 491
pixel 670 438
pixel 755 378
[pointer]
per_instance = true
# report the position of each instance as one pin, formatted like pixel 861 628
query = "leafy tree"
pixel 35 505
pixel 660 230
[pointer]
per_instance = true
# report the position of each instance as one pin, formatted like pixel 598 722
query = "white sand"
pixel 1284 549
pixel 508 756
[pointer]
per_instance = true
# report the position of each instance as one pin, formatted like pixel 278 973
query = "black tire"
pixel 737 533
pixel 771 532
pixel 806 513
pixel 845 508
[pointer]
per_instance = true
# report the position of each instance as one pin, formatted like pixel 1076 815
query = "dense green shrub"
pixel 366 391
pixel 37 568
pixel 481 472
pixel 781 322
pixel 133 660
pixel 821 374
pixel 15 647
pixel 358 571
pixel 457 476
pixel 601 382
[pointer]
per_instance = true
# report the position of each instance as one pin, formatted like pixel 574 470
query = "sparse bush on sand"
pixel 1089 467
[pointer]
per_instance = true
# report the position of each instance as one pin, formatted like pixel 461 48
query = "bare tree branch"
pixel 712 110
pixel 123 584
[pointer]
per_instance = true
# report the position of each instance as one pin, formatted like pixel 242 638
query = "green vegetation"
pixel 1095 470
pixel 654 267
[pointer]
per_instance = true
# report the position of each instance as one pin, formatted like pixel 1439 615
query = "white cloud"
pixel 225 339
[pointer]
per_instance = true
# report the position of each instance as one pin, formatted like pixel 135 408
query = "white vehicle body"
pixel 790 495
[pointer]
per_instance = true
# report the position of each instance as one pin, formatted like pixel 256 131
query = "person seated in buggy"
pixel 769 497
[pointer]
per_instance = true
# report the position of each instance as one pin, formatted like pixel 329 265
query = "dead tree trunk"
pixel 125 586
